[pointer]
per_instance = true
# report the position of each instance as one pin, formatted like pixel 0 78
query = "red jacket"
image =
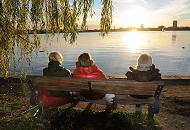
pixel 89 72
pixel 48 100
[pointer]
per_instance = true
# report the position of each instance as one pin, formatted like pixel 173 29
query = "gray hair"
pixel 56 56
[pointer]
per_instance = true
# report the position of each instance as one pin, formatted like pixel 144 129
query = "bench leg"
pixel 138 108
pixel 111 107
pixel 138 111
pixel 150 119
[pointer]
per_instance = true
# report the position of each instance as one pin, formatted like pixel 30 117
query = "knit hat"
pixel 144 62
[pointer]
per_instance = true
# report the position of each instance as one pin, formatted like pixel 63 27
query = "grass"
pixel 59 118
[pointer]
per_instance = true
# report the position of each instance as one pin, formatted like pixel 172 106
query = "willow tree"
pixel 18 18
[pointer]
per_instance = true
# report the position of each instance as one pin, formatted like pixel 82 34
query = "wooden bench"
pixel 122 88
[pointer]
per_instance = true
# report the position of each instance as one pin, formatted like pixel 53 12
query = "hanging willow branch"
pixel 106 19
pixel 19 18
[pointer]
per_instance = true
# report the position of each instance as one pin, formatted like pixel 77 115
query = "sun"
pixel 134 17
pixel 134 41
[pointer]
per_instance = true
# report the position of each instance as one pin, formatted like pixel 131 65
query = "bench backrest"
pixel 113 86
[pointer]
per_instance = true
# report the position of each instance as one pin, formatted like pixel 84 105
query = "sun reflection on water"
pixel 134 41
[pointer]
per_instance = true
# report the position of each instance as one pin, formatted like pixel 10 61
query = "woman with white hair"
pixel 54 66
pixel 54 69
pixel 144 70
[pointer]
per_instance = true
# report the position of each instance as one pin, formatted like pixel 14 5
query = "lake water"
pixel 119 50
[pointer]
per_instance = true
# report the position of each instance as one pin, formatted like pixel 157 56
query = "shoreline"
pixel 119 30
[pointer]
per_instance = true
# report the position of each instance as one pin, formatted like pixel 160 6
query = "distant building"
pixel 174 24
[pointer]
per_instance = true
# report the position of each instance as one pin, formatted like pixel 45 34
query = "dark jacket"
pixel 144 76
pixel 55 69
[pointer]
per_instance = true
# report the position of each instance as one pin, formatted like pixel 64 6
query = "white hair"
pixel 56 56
pixel 144 62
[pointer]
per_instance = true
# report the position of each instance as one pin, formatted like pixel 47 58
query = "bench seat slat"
pixel 129 101
pixel 125 99
pixel 114 91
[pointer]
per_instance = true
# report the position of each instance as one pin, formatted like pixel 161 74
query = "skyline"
pixel 147 12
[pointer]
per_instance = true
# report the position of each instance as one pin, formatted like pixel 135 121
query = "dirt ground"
pixel 175 108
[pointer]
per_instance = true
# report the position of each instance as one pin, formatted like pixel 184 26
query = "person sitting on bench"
pixel 54 69
pixel 144 71
pixel 86 68
pixel 54 66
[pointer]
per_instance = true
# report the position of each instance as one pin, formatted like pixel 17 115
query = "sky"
pixel 150 13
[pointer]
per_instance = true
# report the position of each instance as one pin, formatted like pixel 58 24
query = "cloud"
pixel 161 11
pixel 170 7
pixel 173 9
